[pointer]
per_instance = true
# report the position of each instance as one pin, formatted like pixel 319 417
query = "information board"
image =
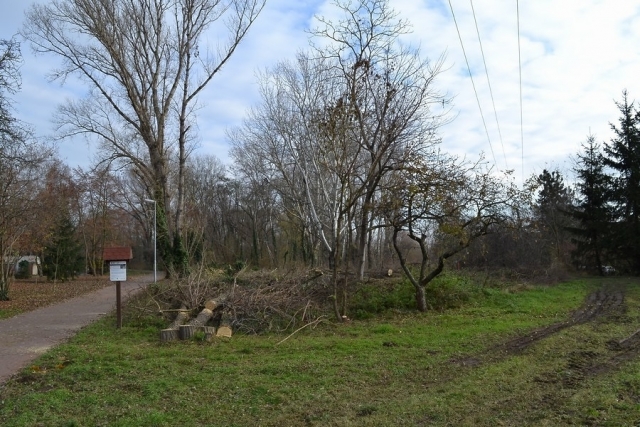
pixel 118 271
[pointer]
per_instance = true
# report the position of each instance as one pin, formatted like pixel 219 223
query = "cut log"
pixel 209 333
pixel 217 303
pixel 186 332
pixel 202 319
pixel 181 317
pixel 224 331
pixel 211 304
pixel 168 335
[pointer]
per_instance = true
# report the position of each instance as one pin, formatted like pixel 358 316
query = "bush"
pixel 23 270
pixel 447 291
pixel 377 296
pixel 450 290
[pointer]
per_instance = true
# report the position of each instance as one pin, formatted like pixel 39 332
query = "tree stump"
pixel 224 331
pixel 186 332
pixel 168 335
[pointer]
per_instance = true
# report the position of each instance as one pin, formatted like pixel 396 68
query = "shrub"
pixel 377 296
pixel 23 270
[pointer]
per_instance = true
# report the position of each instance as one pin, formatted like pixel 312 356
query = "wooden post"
pixel 118 306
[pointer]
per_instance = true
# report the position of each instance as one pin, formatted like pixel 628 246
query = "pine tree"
pixel 622 155
pixel 62 256
pixel 592 210
pixel 553 203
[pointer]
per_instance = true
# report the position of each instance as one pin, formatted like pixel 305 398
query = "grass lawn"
pixel 397 369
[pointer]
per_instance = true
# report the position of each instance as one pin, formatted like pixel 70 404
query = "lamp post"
pixel 155 264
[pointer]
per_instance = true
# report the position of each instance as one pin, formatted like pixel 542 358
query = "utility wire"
pixel 472 83
pixel 486 69
pixel 520 74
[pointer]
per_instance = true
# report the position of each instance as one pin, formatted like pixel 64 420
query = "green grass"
pixel 397 369
pixel 5 314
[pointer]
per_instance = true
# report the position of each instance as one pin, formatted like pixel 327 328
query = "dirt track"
pixel 603 302
pixel 607 302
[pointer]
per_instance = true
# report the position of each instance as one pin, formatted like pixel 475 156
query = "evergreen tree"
pixel 592 211
pixel 552 205
pixel 623 157
pixel 62 256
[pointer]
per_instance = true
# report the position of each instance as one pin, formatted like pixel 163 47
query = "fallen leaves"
pixel 27 295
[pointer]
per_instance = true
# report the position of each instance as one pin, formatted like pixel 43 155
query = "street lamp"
pixel 155 264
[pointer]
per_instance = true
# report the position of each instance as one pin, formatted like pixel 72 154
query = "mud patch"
pixel 579 364
pixel 624 351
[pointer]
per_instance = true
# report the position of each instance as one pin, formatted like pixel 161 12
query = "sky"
pixel 553 71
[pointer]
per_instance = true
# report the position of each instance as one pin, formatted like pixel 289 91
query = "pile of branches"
pixel 253 302
pixel 264 301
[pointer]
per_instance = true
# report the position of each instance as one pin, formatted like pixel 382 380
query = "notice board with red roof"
pixel 117 258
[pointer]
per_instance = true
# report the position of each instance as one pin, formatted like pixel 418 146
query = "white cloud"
pixel 577 57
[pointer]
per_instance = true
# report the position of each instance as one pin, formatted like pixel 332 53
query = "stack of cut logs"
pixel 184 329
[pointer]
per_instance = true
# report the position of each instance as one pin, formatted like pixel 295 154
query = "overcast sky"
pixel 577 57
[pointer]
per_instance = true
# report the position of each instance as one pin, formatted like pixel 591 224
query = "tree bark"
pixel 182 317
pixel 167 335
pixel 186 332
pixel 202 319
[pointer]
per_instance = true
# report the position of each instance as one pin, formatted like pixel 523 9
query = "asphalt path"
pixel 28 335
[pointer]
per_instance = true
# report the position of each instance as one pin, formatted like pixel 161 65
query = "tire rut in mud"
pixel 582 364
pixel 623 351
pixel 606 301
pixel 603 302
pixel 578 362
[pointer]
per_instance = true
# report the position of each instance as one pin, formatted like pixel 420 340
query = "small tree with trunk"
pixel 622 157
pixel 551 213
pixel 443 206
pixel 592 212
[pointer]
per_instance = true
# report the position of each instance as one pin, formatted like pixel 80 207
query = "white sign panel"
pixel 118 271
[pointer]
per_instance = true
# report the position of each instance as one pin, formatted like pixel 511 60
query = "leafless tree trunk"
pixel 388 93
pixel 20 156
pixel 145 62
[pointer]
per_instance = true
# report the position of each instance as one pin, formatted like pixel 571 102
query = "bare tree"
pixel 388 94
pixel 332 125
pixel 145 62
pixel 295 142
pixel 20 156
pixel 97 213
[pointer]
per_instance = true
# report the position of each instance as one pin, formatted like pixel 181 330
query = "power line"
pixel 472 83
pixel 486 69
pixel 520 74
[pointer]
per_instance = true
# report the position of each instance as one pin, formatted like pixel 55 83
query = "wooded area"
pixel 339 166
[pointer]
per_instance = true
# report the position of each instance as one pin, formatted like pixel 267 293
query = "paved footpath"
pixel 28 335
